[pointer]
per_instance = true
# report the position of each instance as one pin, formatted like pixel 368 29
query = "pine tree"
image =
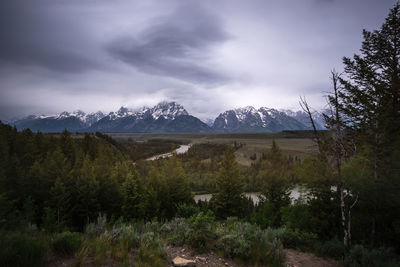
pixel 274 177
pixel 132 198
pixel 229 200
pixel 177 181
pixel 85 196
pixel 370 100
pixel 59 199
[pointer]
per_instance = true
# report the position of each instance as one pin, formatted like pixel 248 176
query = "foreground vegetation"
pixel 60 185
pixel 53 188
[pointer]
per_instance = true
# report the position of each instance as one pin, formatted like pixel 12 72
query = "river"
pixel 295 194
pixel 180 150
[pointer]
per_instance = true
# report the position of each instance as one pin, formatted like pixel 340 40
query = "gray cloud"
pixel 176 45
pixel 208 55
pixel 37 33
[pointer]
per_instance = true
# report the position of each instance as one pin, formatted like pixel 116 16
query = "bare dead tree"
pixel 335 124
pixel 306 108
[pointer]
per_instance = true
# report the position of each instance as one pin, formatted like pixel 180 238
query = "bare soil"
pixel 293 259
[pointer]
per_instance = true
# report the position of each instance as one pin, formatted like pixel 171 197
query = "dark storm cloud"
pixel 208 55
pixel 36 33
pixel 175 46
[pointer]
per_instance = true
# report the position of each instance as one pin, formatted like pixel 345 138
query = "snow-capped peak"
pixel 168 110
pixel 242 113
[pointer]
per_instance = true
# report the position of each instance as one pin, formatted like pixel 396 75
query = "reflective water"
pixel 295 194
pixel 180 150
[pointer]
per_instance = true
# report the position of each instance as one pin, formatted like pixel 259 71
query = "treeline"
pixel 66 182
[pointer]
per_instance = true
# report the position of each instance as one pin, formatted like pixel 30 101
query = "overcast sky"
pixel 208 55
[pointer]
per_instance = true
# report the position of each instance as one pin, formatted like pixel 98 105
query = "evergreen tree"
pixel 177 181
pixel 59 199
pixel 132 198
pixel 67 146
pixel 85 194
pixel 229 200
pixel 370 102
pixel 274 180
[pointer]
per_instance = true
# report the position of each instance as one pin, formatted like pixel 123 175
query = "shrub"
pixel 237 242
pixel 153 226
pixel 184 210
pixel 100 246
pixel 333 248
pixel 297 216
pixel 66 243
pixel 361 256
pixel 275 233
pixel 95 229
pixel 267 248
pixel 265 215
pixel 298 240
pixel 124 235
pixel 151 251
pixel 177 230
pixel 202 233
pixel 129 237
pixel 22 250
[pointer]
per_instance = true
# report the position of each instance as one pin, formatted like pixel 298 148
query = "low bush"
pixel 202 233
pixel 177 231
pixel 100 246
pixel 129 237
pixel 237 241
pixel 267 248
pixel 22 250
pixel 333 248
pixel 250 244
pixel 124 235
pixel 184 210
pixel 361 256
pixel 299 240
pixel 66 243
pixel 95 229
pixel 151 251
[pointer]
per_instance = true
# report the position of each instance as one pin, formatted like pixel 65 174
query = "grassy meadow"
pixel 295 143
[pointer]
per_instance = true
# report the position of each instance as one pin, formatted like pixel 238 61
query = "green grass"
pixel 296 147
pixel 295 143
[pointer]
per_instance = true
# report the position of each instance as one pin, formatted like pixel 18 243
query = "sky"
pixel 208 55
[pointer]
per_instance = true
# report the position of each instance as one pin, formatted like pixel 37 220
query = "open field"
pixel 296 144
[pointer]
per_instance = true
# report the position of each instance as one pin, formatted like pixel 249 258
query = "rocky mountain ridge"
pixel 170 117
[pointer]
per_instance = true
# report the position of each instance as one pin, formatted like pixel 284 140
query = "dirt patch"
pixel 207 259
pixel 295 258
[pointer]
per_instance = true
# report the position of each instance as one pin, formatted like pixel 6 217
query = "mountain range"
pixel 170 117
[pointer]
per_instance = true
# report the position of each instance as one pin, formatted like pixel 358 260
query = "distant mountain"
pixel 164 117
pixel 249 119
pixel 74 121
pixel 302 117
pixel 209 121
pixel 170 117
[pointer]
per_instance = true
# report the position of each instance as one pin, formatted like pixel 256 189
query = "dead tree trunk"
pixel 336 124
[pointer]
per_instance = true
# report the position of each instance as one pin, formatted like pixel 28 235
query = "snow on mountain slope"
pixel 249 119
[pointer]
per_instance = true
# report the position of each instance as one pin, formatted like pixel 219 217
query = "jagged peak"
pixel 168 110
pixel 245 109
